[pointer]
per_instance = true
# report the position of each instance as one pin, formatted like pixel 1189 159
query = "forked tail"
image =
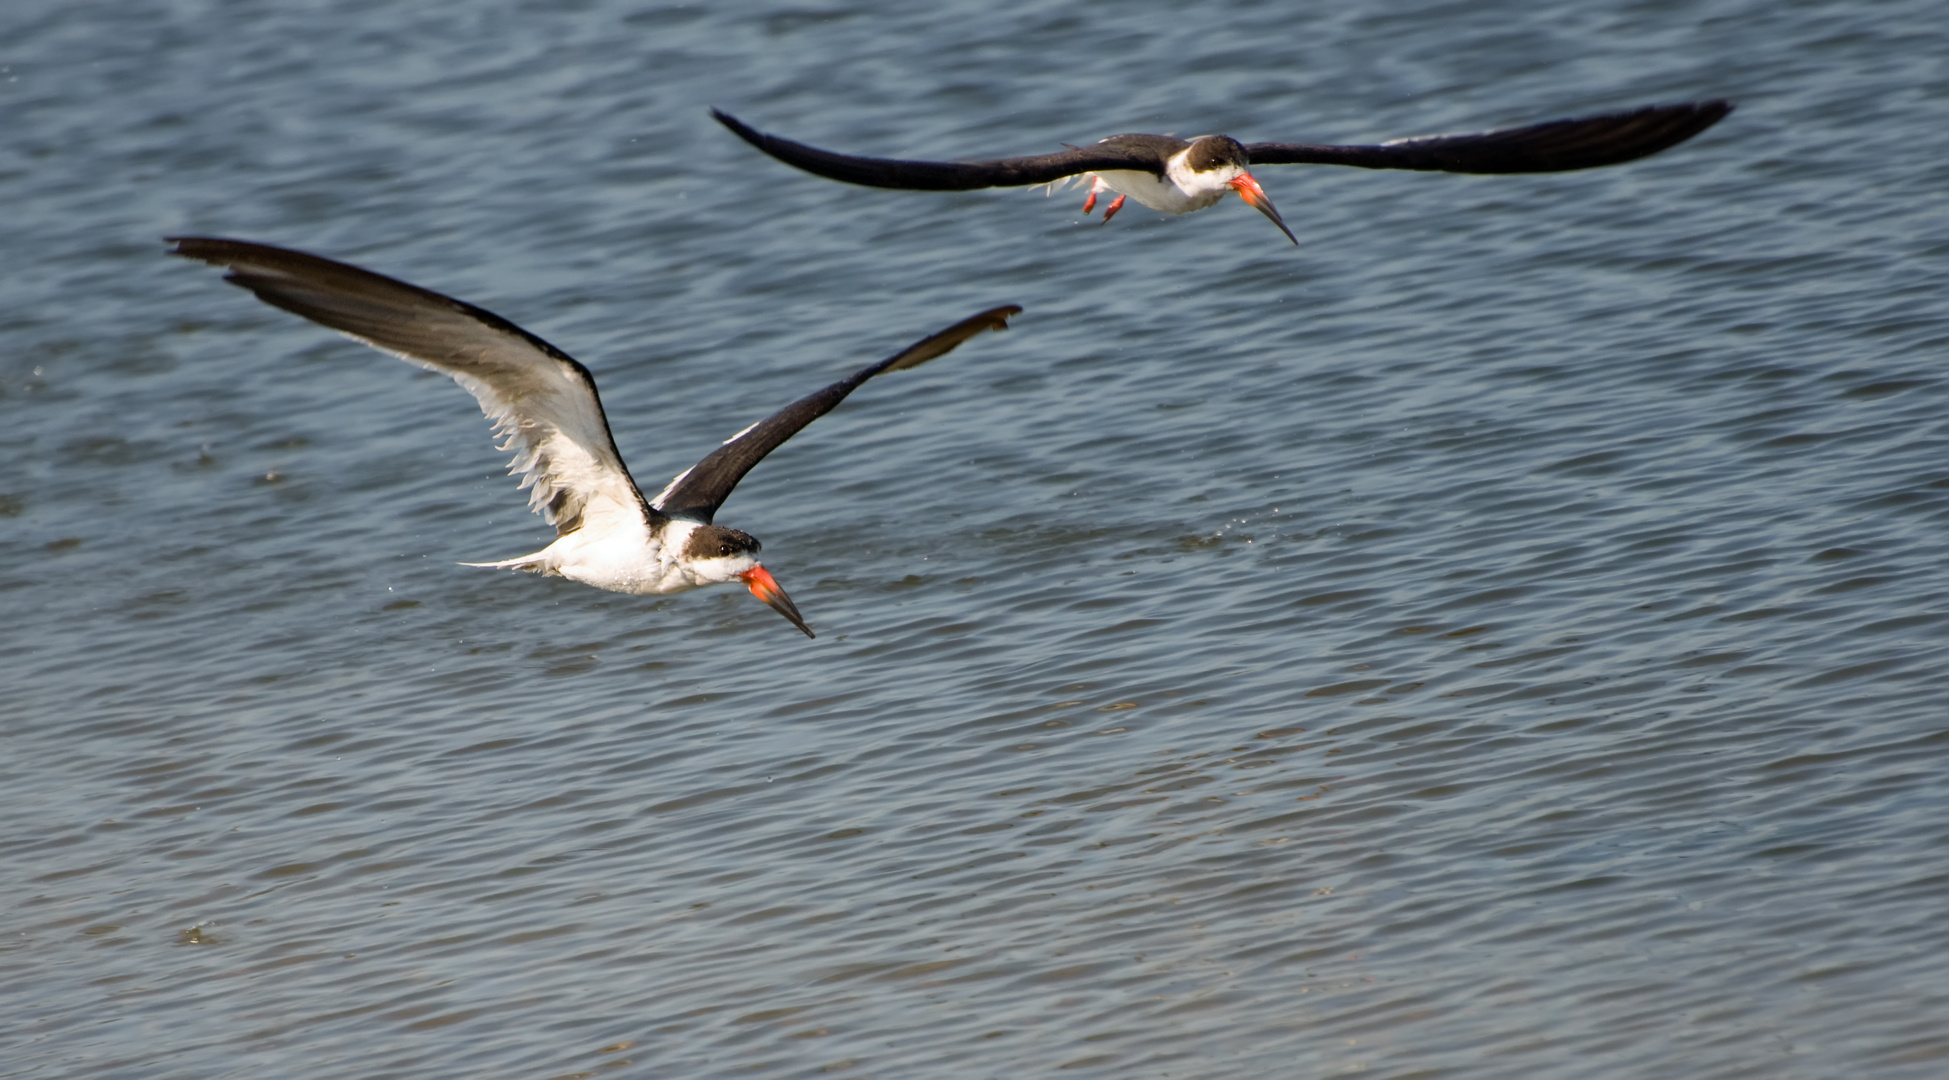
pixel 536 563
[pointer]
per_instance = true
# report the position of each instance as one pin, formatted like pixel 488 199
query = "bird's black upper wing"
pixel 700 490
pixel 540 399
pixel 1111 154
pixel 1556 146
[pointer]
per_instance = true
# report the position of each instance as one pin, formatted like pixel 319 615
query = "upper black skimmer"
pixel 1178 176
pixel 545 404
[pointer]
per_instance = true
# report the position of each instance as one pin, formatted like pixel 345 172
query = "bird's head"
pixel 1216 161
pixel 717 555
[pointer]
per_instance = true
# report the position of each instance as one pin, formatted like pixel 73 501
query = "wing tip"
pixel 945 341
pixel 1001 315
pixel 230 255
pixel 1713 110
pixel 1698 115
pixel 739 128
pixel 209 249
pixel 243 258
pixel 1670 126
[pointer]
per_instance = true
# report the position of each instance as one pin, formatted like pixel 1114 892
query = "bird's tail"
pixel 537 563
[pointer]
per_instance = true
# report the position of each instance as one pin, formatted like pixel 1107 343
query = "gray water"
pixel 1503 636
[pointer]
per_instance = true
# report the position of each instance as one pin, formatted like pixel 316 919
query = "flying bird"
pixel 1178 176
pixel 544 406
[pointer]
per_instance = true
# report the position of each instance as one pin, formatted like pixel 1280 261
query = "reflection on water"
pixel 1501 637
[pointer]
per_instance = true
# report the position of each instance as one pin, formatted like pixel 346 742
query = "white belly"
pixel 621 560
pixel 1156 192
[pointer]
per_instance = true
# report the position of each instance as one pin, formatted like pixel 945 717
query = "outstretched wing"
pixel 698 491
pixel 1556 146
pixel 1111 154
pixel 542 402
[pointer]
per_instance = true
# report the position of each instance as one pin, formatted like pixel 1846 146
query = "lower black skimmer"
pixel 545 407
pixel 1178 176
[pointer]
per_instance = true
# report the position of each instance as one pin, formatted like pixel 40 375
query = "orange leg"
pixel 1110 211
pixel 1089 204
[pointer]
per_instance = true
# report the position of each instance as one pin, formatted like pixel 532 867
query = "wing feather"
pixel 698 491
pixel 542 403
pixel 1111 154
pixel 1555 146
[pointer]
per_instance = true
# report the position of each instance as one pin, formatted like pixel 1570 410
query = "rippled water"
pixel 1503 637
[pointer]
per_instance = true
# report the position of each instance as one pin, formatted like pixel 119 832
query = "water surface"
pixel 1504 636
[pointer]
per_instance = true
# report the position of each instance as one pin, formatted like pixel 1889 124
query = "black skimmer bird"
pixel 1178 176
pixel 545 406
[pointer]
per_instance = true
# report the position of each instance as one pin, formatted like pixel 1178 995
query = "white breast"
pixel 1151 191
pixel 1178 191
pixel 623 559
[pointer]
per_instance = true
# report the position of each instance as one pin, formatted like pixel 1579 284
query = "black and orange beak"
pixel 1255 196
pixel 765 587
